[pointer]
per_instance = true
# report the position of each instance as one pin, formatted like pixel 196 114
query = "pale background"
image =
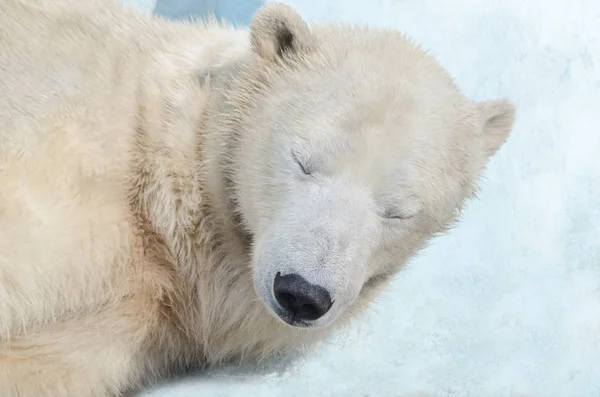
pixel 508 304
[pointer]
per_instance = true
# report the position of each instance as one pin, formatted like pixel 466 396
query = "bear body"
pixel 178 194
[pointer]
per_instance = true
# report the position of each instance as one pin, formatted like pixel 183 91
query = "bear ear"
pixel 497 118
pixel 276 29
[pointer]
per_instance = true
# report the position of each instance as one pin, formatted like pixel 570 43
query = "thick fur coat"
pixel 147 199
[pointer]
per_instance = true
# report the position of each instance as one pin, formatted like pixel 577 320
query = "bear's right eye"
pixel 304 169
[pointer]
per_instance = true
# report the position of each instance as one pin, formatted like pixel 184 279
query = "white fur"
pixel 150 190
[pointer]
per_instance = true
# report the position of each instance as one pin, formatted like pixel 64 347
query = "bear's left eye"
pixel 391 214
pixel 408 208
pixel 303 167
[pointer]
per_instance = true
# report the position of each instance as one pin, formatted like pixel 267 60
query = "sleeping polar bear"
pixel 174 194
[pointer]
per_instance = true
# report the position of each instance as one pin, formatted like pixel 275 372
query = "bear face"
pixel 355 149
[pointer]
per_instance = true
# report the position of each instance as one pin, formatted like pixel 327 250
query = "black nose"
pixel 301 299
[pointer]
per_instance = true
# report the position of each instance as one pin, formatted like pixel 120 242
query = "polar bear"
pixel 178 194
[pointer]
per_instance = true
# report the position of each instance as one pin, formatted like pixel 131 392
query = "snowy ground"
pixel 508 304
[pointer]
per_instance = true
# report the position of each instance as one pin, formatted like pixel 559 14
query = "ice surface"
pixel 507 304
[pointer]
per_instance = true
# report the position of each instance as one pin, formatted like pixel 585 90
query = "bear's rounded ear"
pixel 277 29
pixel 497 118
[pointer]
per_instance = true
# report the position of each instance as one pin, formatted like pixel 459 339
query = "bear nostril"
pixel 309 311
pixel 286 300
pixel 301 299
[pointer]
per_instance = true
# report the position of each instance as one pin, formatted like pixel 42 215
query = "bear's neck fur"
pixel 181 196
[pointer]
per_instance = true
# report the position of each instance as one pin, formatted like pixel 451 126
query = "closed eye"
pixel 303 167
pixel 396 216
pixel 407 208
